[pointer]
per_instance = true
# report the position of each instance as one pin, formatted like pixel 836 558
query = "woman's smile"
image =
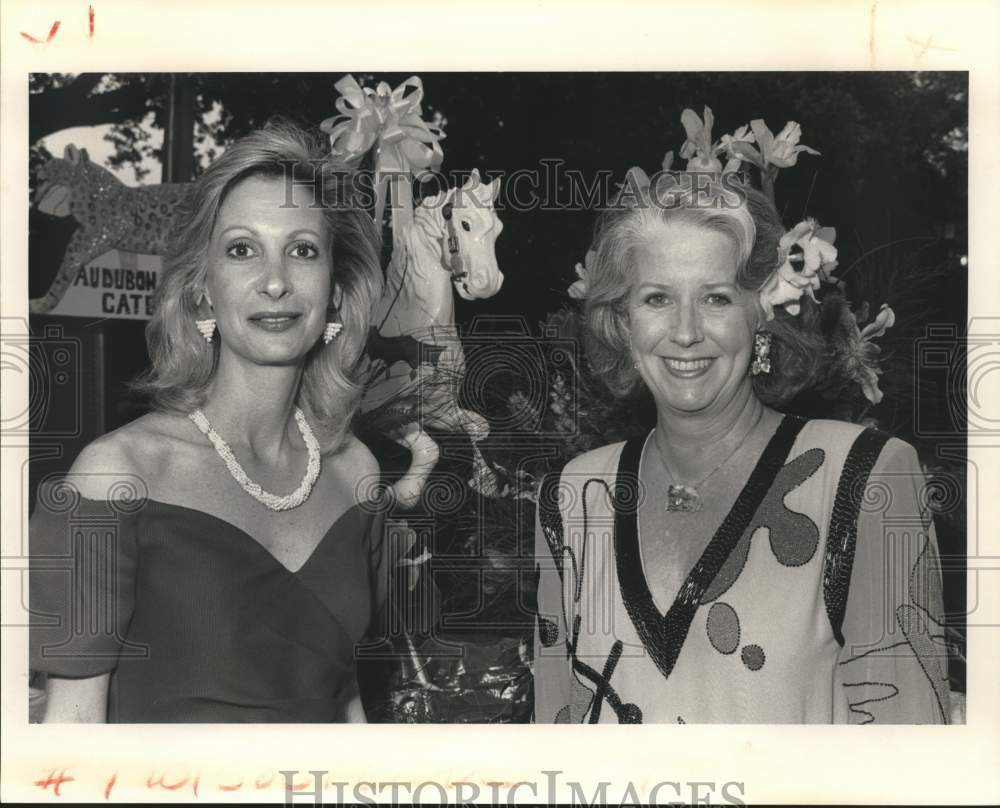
pixel 687 368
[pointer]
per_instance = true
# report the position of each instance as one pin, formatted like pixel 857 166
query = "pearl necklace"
pixel 272 501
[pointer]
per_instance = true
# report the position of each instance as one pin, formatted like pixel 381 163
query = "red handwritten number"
pixel 36 41
pixel 150 783
pixel 55 27
pixel 110 785
pixel 54 781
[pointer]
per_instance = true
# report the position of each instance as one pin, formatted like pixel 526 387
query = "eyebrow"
pixel 717 285
pixel 294 234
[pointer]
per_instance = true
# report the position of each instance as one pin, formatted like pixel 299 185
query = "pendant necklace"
pixel 268 500
pixel 685 498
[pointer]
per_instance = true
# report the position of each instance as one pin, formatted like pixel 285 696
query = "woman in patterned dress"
pixel 735 564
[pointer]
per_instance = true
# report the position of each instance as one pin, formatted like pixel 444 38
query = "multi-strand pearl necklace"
pixel 272 501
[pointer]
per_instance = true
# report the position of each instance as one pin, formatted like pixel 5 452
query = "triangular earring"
pixel 206 328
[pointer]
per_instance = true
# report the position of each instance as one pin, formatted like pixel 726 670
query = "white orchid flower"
pixel 818 257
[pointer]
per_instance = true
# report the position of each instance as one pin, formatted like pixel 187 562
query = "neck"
pixel 693 443
pixel 251 406
pixel 426 297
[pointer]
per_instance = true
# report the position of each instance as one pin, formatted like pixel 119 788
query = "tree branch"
pixel 73 105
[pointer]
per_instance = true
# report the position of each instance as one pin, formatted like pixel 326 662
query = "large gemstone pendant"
pixel 683 498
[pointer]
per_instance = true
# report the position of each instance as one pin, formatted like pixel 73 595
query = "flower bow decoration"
pixel 811 246
pixel 390 121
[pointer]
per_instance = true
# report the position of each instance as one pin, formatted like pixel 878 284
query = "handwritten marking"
pixel 36 41
pixel 920 48
pixel 151 783
pixel 54 781
pixel 260 784
pixel 110 785
pixel 90 18
pixel 236 787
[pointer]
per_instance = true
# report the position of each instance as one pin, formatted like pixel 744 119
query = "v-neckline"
pixel 663 634
pixel 233 527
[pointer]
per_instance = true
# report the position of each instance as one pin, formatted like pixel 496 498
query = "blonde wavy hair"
pixel 183 364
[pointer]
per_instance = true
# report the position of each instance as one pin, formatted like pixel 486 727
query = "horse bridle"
pixel 458 270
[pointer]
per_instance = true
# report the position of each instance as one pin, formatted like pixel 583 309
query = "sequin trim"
pixel 550 517
pixel 843 534
pixel 664 635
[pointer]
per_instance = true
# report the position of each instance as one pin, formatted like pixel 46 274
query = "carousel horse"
pixel 417 363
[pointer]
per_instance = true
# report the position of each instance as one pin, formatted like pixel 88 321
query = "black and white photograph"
pixel 460 397
pixel 339 369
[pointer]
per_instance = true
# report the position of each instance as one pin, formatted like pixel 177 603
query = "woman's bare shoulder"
pixel 132 454
pixel 600 461
pixel 354 454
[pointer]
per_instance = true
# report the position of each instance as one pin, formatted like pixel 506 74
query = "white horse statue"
pixel 414 347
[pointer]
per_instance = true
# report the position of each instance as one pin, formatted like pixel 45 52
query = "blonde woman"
pixel 236 560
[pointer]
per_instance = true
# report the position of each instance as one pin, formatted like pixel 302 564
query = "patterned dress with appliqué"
pixel 193 618
pixel 818 600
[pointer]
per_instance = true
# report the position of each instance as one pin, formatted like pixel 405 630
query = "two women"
pixel 218 559
pixel 727 567
pixel 735 564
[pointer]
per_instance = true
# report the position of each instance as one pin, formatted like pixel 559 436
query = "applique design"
pixel 753 657
pixel 723 627
pixel 916 624
pixel 548 631
pixel 663 635
pixel 794 537
pixel 870 693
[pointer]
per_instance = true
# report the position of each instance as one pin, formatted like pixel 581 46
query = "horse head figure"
pixel 471 226
pixel 448 249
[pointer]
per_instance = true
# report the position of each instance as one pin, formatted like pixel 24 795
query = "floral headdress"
pixel 806 256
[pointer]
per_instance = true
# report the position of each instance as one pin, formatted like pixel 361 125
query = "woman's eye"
pixel 239 249
pixel 304 250
pixel 718 300
pixel 656 299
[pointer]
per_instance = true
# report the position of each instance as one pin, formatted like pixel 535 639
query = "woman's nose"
pixel 276 280
pixel 687 326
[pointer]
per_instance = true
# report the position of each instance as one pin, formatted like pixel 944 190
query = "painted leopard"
pixel 111 215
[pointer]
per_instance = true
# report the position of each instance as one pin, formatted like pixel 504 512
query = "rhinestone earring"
pixel 206 328
pixel 761 353
pixel 331 330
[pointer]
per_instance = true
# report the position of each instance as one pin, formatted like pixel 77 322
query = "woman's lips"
pixel 687 368
pixel 275 321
